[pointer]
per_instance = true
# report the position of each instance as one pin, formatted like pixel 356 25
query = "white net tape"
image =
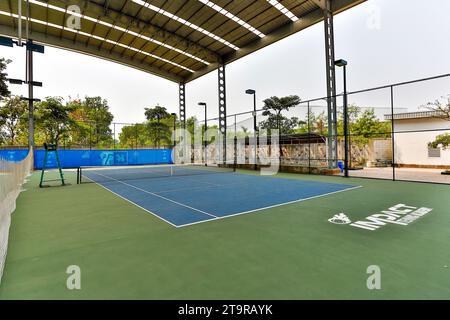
pixel 12 176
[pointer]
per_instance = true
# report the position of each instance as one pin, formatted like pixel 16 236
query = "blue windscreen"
pixel 13 155
pixel 78 158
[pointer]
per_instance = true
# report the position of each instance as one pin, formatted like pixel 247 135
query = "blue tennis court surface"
pixel 184 200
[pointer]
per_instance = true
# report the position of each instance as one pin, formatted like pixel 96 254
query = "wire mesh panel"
pixel 299 138
pixel 213 140
pixel 296 139
pixel 422 133
pixel 129 136
pixel 317 119
pixel 369 138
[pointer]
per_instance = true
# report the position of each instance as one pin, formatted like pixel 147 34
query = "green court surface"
pixel 286 252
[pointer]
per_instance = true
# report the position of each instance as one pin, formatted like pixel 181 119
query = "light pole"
pixel 30 48
pixel 174 115
pixel 206 128
pixel 343 63
pixel 255 127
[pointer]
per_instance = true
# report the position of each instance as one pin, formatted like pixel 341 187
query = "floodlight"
pixel 7 42
pixel 340 63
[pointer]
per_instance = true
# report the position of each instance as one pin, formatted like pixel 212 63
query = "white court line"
pixel 221 217
pixel 152 213
pixel 199 187
pixel 264 208
pixel 157 195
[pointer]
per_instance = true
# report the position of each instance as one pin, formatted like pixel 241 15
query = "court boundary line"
pixel 268 207
pixel 215 218
pixel 159 196
pixel 135 204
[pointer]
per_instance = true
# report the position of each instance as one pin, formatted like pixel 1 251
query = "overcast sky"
pixel 384 41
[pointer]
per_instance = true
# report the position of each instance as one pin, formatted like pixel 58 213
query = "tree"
pixel 4 92
pixel 155 113
pixel 317 124
pixel 353 114
pixel 158 123
pixel 367 126
pixel 81 133
pixel 442 108
pixel 100 118
pixel 442 140
pixel 191 127
pixel 273 107
pixel 12 117
pixel 134 135
pixel 53 118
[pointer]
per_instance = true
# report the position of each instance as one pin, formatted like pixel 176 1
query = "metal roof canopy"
pixel 179 40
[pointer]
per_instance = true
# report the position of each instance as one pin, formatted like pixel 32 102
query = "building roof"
pixel 177 40
pixel 415 115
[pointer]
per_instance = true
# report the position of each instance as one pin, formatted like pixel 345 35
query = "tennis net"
pixel 110 174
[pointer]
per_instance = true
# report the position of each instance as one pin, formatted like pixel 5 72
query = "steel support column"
pixel 29 79
pixel 182 104
pixel 331 86
pixel 222 110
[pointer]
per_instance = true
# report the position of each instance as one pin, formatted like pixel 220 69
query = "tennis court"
pixel 291 251
pixel 186 194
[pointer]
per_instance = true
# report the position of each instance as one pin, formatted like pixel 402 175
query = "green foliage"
pixel 53 119
pixel 156 113
pixel 273 108
pixel 13 119
pixel 100 118
pixel 76 123
pixel 317 124
pixel 133 136
pixel 4 92
pixel 363 125
pixel 442 108
pixel 92 123
pixel 159 124
pixel 192 127
pixel 369 126
pixel 442 140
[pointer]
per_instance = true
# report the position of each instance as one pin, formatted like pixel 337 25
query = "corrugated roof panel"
pixel 185 38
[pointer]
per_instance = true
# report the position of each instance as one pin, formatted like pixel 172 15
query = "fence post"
pixel 392 133
pixel 136 136
pixel 90 135
pixel 309 140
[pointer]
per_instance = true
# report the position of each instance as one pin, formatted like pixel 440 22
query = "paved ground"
pixel 410 174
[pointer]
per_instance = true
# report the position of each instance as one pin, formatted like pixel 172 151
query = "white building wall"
pixel 411 148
